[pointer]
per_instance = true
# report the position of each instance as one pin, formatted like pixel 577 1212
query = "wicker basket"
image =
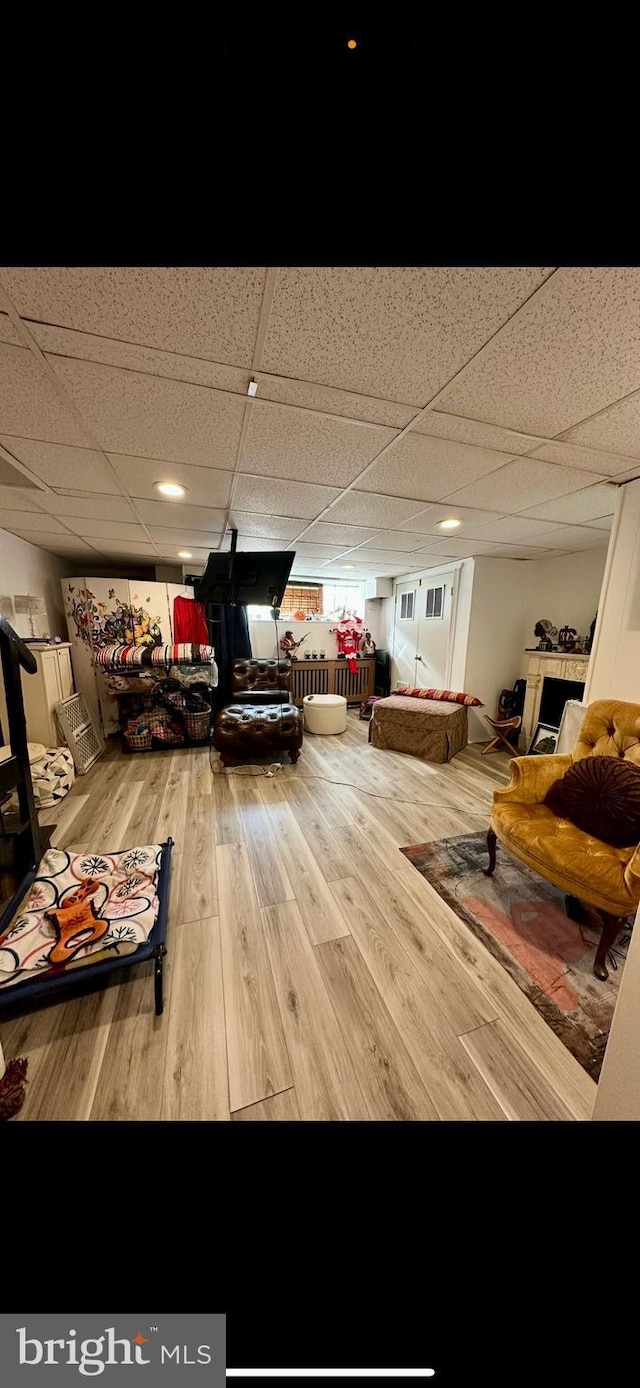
pixel 137 742
pixel 197 724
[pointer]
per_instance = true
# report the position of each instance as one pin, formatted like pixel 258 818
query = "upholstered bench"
pixel 427 728
pixel 249 731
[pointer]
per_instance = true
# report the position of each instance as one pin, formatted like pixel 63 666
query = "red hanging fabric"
pixel 189 621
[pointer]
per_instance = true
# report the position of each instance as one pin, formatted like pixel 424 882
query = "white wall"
pixel 26 569
pixel 566 590
pixel 614 669
pixel 318 638
pixel 494 645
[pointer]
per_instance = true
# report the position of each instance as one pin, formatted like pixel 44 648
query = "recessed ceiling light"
pixel 348 566
pixel 184 554
pixel 449 524
pixel 351 43
pixel 170 489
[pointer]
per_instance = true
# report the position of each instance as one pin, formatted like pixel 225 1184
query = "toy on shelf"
pixel 289 645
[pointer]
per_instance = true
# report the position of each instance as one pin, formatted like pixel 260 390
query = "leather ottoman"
pixel 247 731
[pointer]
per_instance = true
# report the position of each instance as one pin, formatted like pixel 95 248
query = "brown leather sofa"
pixel 261 720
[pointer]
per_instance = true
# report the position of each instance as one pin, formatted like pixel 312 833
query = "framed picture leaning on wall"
pixel 543 742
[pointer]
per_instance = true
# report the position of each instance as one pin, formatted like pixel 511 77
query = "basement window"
pixel 435 602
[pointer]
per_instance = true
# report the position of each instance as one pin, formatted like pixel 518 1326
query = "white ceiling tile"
pixel 18 499
pixel 270 527
pixel 367 508
pixel 303 446
pixel 457 549
pixel 129 547
pixel 514 530
pixel 617 428
pixel 8 333
pixel 153 417
pixel 394 539
pixel 13 475
pixel 32 520
pixel 394 332
pixel 516 552
pixel 573 349
pixel 266 494
pixel 105 529
pixel 628 475
pixel 523 483
pixel 205 311
pixel 112 508
pixel 311 396
pixel 428 468
pixel 589 459
pixel 327 533
pixel 59 465
pixel 184 539
pixel 474 431
pixel 259 544
pixel 424 561
pixel 176 515
pixel 576 537
pixel 427 522
pixel 205 486
pixel 63 342
pixel 312 551
pixel 603 523
pixel 577 507
pixel 58 543
pixel 198 556
pixel 386 556
pixel 29 405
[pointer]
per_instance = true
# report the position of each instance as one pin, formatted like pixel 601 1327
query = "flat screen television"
pixel 246 578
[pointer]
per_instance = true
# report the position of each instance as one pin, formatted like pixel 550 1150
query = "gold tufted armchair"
pixel 586 868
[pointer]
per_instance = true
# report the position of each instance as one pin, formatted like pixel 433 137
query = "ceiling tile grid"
pixel 525 481
pixel 428 468
pixel 61 466
pixel 204 486
pixel 205 311
pixel 573 349
pixel 533 375
pixel 399 333
pixel 29 405
pixel 305 447
pixel 132 413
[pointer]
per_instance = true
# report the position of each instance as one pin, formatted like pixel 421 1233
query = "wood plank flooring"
pixel 312 973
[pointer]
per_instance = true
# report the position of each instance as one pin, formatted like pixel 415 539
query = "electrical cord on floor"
pixel 274 767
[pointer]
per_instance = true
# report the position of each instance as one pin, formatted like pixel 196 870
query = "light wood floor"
pixel 312 973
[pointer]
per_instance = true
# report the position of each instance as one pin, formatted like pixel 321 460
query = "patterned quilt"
pixel 122 890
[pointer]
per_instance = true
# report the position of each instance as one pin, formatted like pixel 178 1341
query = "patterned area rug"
pixel 522 921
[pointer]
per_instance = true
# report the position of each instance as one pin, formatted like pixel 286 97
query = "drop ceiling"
pixel 389 399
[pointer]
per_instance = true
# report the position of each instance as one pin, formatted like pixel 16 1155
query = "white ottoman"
pixel 325 713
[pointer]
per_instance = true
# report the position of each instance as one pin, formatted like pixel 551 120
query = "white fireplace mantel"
pixel 558 666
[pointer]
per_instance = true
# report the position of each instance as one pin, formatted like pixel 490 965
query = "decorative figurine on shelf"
pixel 368 644
pixel 289 645
pixel 300 616
pixel 567 638
pixel 546 633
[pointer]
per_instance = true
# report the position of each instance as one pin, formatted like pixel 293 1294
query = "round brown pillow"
pixel 601 796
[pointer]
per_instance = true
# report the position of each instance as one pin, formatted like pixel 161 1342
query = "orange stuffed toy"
pixel 77 924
